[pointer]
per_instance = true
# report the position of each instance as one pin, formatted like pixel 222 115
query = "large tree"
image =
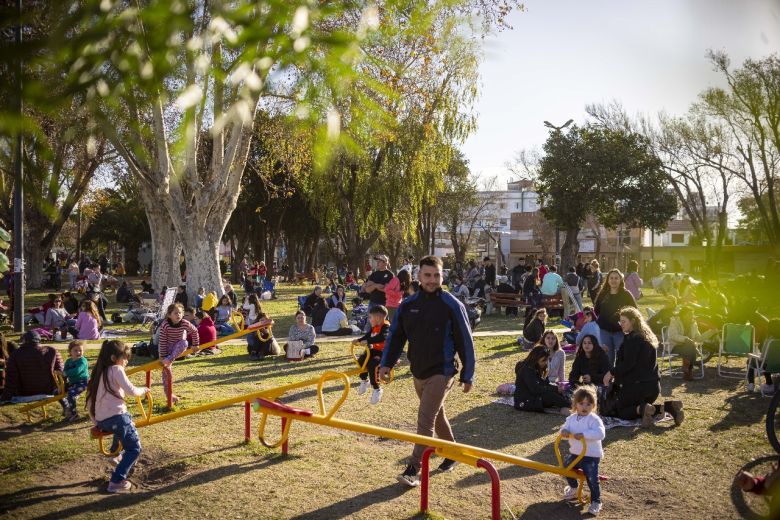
pixel 749 110
pixel 612 174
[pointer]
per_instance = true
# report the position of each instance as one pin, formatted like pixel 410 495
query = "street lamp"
pixel 558 128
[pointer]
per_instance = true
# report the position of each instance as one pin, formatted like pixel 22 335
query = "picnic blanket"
pixel 609 422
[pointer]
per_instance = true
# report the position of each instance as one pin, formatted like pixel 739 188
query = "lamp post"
pixel 558 231
pixel 18 267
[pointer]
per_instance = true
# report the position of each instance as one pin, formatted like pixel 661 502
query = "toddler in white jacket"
pixel 583 423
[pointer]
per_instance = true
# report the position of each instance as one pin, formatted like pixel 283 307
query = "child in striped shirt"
pixel 173 342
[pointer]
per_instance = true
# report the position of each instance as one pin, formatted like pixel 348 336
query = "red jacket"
pixel 206 330
pixel 30 371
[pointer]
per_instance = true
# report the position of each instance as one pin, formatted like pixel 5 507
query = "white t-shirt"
pixel 592 427
pixel 333 320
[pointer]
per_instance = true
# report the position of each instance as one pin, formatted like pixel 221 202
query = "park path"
pixel 91 345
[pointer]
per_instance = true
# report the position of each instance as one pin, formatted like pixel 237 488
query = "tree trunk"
pixel 34 256
pixel 202 252
pixel 166 247
pixel 570 249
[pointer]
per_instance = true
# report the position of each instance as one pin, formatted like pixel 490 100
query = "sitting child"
pixel 584 424
pixel 533 392
pixel 262 343
pixel 76 371
pixel 173 343
pixel 359 313
pixel 589 327
pixel 375 339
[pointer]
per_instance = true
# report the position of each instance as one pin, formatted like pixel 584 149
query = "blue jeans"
pixel 590 467
pixel 124 432
pixel 612 341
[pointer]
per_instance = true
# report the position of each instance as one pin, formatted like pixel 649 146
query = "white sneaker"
pixel 751 387
pixel 767 389
pixel 119 487
pixel 116 460
pixel 595 508
pixel 569 493
pixel 363 388
pixel 376 396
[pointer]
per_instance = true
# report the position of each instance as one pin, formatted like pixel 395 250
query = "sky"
pixel 563 54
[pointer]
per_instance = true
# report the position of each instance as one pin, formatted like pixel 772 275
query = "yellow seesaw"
pixel 265 403
pixel 42 404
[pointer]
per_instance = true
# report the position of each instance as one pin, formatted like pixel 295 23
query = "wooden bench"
pixel 498 299
pixel 553 303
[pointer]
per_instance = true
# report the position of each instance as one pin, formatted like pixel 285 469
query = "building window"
pixel 502 205
pixel 678 238
pixel 517 205
pixel 502 222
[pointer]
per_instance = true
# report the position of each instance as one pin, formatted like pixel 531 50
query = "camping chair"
pixel 666 356
pixel 735 340
pixel 768 360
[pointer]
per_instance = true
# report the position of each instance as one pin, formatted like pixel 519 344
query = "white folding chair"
pixel 768 360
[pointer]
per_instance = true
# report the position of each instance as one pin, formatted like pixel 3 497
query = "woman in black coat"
pixel 612 297
pixel 635 378
pixel 533 328
pixel 533 392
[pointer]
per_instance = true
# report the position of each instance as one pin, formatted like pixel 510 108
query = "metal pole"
pixel 18 191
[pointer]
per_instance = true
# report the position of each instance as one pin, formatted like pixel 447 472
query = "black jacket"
pixel 608 306
pixel 534 331
pixel 595 367
pixel 636 361
pixel 437 328
pixel 529 385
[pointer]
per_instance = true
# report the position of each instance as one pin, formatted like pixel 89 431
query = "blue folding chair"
pixel 301 301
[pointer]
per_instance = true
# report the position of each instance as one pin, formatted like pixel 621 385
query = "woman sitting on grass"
pixel 557 364
pixel 88 323
pixel 533 392
pixel 304 332
pixel 635 378
pixel 590 365
pixel 533 328
pixel 262 343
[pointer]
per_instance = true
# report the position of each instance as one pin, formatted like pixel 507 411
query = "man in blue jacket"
pixel 436 326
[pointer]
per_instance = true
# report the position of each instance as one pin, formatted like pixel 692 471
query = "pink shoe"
pixel 120 487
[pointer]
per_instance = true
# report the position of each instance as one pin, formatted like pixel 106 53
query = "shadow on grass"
pixel 354 504
pixel 741 409
pixel 739 497
pixel 114 502
pixel 45 426
pixel 503 350
pixel 559 510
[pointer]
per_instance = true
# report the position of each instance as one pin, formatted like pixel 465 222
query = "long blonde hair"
pixel 639 325
pixel 89 307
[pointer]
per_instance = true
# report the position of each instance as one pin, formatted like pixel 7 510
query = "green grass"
pixel 199 466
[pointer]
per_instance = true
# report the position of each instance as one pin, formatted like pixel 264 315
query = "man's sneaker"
pixel 569 493
pixel 73 417
pixel 751 387
pixel 648 410
pixel 376 396
pixel 363 388
pixel 410 476
pixel 119 487
pixel 767 389
pixel 595 508
pixel 675 409
pixel 252 357
pixel 447 465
